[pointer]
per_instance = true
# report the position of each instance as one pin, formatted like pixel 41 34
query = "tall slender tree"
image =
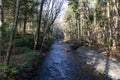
pixel 37 35
pixel 12 35
pixel 99 20
pixel 0 25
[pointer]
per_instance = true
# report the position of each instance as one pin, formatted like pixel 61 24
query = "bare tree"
pixel 52 10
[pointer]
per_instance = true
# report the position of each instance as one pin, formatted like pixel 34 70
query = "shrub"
pixel 25 41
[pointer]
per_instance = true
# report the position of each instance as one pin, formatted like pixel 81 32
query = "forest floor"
pixel 61 64
pixel 24 61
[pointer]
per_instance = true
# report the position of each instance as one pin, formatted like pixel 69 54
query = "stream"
pixel 61 64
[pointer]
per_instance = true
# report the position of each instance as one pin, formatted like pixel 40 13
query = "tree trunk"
pixel 25 22
pixel 109 28
pixel 81 24
pixel 95 3
pixel 1 12
pixel 115 24
pixel 79 28
pixel 39 26
pixel 13 31
pixel 1 25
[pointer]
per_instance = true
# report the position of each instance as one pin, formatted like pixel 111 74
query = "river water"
pixel 61 64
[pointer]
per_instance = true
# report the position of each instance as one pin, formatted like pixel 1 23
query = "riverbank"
pixel 29 71
pixel 24 61
pixel 103 64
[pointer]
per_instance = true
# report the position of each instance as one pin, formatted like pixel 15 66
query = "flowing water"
pixel 61 64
